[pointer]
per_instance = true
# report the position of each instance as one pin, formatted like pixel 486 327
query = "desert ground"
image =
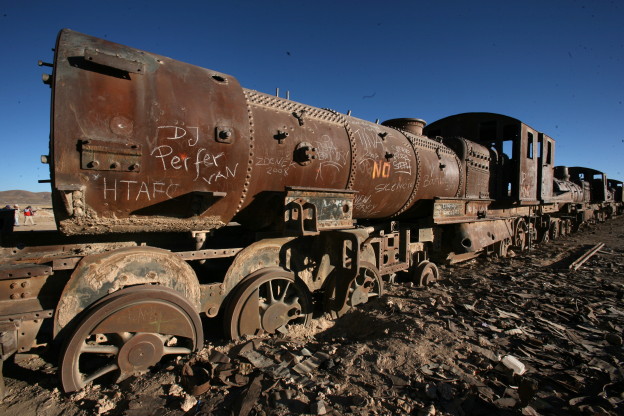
pixel 522 335
pixel 43 218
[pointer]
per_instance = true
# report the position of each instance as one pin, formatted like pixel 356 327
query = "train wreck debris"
pixel 581 260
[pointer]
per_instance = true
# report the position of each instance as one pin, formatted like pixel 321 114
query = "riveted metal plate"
pixel 114 61
pixel 107 155
pixel 22 271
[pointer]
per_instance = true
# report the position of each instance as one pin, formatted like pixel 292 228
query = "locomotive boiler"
pixel 179 195
pixel 144 143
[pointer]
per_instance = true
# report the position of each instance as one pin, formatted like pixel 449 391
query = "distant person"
pixel 16 208
pixel 29 215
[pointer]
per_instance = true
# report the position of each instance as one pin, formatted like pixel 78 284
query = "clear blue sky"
pixel 556 65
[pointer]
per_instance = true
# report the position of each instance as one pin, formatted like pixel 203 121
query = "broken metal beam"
pixel 579 262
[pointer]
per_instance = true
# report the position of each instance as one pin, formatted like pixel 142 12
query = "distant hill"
pixel 25 198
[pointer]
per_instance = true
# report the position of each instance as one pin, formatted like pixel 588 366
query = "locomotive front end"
pixel 141 142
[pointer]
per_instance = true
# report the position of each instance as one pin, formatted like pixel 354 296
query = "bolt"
pixel 13 285
pixel 280 136
pixel 114 165
pixel 94 164
pixel 134 166
pixel 24 284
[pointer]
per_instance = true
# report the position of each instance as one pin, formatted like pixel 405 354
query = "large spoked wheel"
pixel 366 286
pixel 267 301
pixel 426 273
pixel 127 332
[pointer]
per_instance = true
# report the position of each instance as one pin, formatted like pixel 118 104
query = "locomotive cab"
pixel 616 187
pixel 524 171
pixel 593 180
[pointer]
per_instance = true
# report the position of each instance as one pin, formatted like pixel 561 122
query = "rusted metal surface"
pixel 459 210
pixel 16 271
pixel 262 254
pixel 546 165
pixel 586 256
pixel 19 330
pixel 515 145
pixel 266 302
pixel 425 274
pixel 104 273
pixel 342 296
pixel 147 164
pixel 133 148
pixel 310 211
pixel 21 289
pixel 476 162
pixel 127 332
pixel 475 236
pixel 207 254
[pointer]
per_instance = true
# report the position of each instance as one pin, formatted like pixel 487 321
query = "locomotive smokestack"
pixel 410 125
pixel 561 172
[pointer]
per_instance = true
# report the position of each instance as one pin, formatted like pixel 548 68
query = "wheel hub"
pixel 140 352
pixel 360 294
pixel 278 315
pixel 427 278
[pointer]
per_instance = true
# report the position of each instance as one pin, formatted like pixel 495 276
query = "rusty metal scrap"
pixel 581 260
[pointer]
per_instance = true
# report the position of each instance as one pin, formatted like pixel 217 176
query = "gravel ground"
pixel 521 335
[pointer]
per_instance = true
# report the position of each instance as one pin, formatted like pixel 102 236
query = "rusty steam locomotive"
pixel 181 196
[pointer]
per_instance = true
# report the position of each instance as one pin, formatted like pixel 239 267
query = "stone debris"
pixel 318 408
pixel 188 403
pixel 104 405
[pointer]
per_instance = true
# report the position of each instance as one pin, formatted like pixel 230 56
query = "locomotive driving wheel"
pixel 366 285
pixel 426 273
pixel 266 302
pixel 127 332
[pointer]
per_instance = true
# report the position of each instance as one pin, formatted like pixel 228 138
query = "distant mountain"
pixel 25 198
